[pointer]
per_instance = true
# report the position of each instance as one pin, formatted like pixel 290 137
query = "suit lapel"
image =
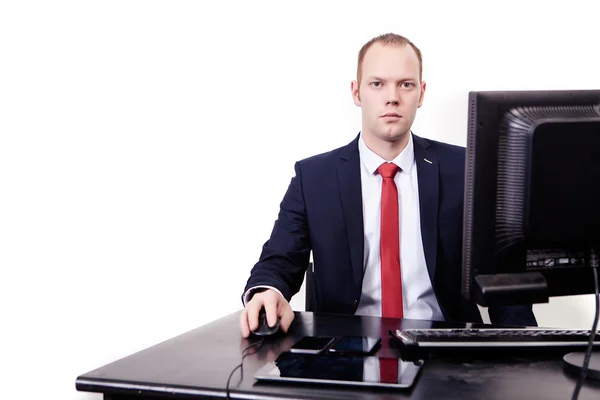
pixel 428 175
pixel 348 174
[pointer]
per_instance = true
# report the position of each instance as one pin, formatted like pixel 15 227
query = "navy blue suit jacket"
pixel 322 211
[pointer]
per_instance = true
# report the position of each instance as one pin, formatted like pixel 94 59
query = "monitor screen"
pixel 532 195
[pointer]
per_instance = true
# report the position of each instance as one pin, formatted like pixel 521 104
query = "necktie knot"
pixel 387 170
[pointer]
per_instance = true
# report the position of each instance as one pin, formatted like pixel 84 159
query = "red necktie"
pixel 388 370
pixel 391 284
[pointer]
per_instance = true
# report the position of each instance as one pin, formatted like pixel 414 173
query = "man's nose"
pixel 393 98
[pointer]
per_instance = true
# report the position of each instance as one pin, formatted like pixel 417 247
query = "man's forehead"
pixel 402 69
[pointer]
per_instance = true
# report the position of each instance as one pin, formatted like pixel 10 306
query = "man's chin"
pixel 393 135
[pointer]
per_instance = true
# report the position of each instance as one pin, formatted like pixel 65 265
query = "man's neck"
pixel 388 150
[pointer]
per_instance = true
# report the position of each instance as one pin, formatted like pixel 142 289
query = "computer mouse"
pixel 263 327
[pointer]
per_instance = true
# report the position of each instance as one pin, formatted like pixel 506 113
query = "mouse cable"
pixel 588 352
pixel 258 345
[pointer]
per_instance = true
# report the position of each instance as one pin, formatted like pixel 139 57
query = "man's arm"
pixel 279 273
pixel 513 315
pixel 285 256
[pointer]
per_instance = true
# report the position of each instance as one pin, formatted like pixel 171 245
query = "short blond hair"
pixel 385 39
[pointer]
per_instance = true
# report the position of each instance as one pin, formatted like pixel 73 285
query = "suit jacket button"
pixel 355 302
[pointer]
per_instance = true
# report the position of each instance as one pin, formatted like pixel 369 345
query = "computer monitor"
pixel 532 195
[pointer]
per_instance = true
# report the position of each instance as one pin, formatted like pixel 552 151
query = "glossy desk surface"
pixel 198 364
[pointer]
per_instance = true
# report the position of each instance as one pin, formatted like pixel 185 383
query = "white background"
pixel 145 147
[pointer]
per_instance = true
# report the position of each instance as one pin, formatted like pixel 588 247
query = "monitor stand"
pixel 573 362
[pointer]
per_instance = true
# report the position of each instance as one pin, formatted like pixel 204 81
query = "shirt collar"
pixel 405 160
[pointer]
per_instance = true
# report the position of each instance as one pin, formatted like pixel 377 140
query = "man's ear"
pixel 423 87
pixel 354 86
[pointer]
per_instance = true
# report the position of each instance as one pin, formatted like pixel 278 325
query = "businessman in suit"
pixel 382 215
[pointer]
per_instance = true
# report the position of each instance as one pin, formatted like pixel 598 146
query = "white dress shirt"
pixel 418 298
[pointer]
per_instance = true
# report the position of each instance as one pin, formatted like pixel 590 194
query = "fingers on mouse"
pixel 263 326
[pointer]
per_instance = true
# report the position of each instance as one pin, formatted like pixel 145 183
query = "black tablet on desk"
pixel 340 370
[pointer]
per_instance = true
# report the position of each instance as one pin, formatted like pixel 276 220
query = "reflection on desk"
pixel 389 372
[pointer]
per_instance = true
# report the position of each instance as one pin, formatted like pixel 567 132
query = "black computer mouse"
pixel 263 327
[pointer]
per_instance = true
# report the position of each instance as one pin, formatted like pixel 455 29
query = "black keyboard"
pixel 488 337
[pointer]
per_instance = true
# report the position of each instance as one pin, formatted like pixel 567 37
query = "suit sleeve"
pixel 521 315
pixel 285 256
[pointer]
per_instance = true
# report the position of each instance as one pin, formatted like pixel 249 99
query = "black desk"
pixel 198 363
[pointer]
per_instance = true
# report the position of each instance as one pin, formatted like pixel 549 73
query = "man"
pixel 382 215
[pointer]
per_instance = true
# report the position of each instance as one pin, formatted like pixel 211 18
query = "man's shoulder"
pixel 331 157
pixel 442 149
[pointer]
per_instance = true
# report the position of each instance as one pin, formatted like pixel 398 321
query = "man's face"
pixel 390 91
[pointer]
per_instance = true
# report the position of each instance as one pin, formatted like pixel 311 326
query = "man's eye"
pixel 376 84
pixel 407 85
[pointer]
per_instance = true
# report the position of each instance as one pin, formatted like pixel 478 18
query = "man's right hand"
pixel 275 306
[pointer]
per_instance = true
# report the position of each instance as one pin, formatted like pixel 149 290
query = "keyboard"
pixel 488 337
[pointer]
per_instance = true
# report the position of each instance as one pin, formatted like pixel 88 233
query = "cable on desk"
pixel 258 345
pixel 588 352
